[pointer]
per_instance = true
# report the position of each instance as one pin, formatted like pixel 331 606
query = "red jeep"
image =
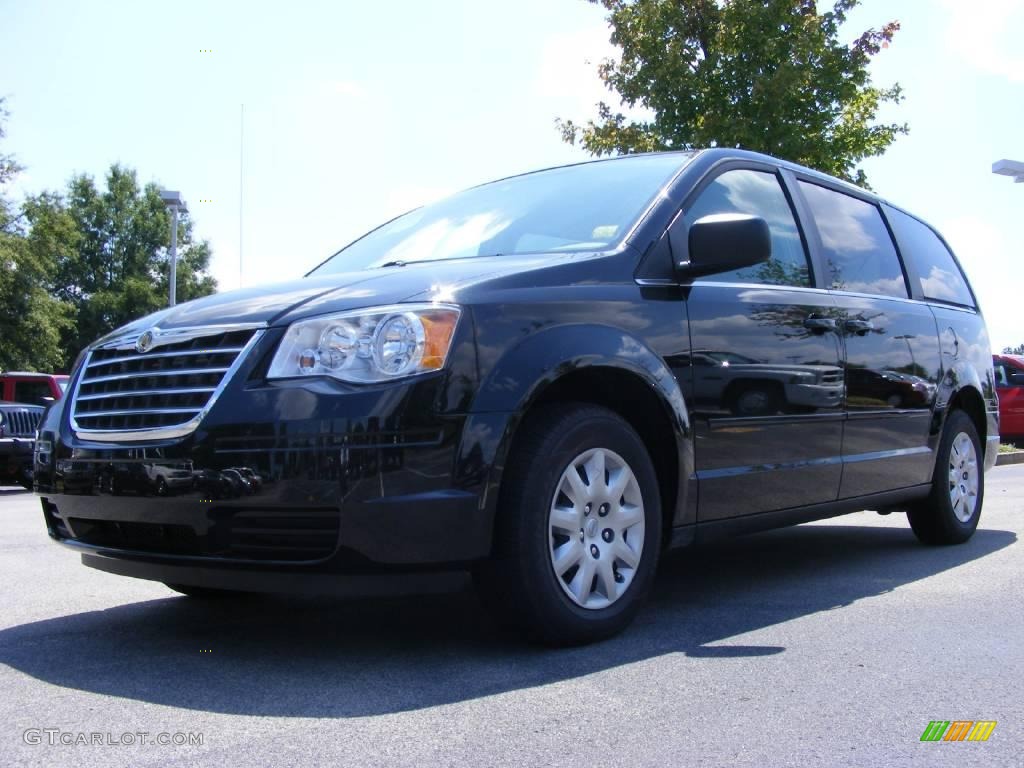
pixel 32 388
pixel 1010 388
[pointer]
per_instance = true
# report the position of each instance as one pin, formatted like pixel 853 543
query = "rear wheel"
pixel 951 512
pixel 578 529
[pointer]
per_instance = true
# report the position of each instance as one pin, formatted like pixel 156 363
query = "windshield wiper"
pixel 400 263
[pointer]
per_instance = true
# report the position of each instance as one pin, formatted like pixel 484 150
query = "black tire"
pixel 206 593
pixel 934 520
pixel 756 399
pixel 518 583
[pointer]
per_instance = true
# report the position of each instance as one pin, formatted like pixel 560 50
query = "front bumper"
pixel 354 481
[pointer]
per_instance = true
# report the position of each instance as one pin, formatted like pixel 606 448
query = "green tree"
pixel 766 75
pixel 1018 350
pixel 32 321
pixel 110 252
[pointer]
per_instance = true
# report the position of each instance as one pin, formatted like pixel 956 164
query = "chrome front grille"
pixel 19 422
pixel 833 377
pixel 127 394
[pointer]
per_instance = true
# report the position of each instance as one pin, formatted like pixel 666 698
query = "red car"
pixel 32 388
pixel 1010 387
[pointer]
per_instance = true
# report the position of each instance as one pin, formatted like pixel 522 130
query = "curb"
pixel 1017 457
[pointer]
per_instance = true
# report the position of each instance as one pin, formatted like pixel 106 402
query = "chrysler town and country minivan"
pixel 547 381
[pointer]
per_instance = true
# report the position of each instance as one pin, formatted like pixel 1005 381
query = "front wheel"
pixel 756 400
pixel 951 512
pixel 578 529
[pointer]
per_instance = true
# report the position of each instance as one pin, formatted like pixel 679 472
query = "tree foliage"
pixel 110 252
pixel 1018 350
pixel 76 265
pixel 767 75
pixel 31 320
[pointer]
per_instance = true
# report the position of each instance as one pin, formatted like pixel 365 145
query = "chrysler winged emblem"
pixel 145 342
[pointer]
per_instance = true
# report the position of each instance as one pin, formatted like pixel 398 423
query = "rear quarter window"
pixel 938 274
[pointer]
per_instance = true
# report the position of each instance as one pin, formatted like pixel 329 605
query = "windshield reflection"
pixel 586 207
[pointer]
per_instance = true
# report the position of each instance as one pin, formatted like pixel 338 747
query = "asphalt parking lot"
pixel 828 644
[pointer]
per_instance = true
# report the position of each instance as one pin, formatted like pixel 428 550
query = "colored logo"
pixel 958 730
pixel 145 342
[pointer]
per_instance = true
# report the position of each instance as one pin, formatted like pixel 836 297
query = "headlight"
pixel 368 345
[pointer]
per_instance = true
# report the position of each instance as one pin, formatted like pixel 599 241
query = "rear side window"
pixel 1007 375
pixel 939 275
pixel 757 193
pixel 1002 378
pixel 858 251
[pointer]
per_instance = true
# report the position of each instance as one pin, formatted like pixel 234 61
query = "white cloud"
pixel 346 88
pixel 986 35
pixel 568 69
pixel 21 186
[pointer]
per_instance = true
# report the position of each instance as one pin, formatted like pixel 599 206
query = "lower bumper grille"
pixel 141 537
pixel 259 535
pixel 242 534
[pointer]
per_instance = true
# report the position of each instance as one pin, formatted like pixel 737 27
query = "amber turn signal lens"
pixel 438 328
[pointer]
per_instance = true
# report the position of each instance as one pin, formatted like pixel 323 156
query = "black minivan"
pixel 546 381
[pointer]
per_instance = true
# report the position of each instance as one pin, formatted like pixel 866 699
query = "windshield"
pixel 587 207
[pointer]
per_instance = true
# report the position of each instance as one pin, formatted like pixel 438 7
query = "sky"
pixel 355 112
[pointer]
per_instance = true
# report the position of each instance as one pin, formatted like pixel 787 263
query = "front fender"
pixel 520 377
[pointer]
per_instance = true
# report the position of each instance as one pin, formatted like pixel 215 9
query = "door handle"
pixel 858 326
pixel 819 323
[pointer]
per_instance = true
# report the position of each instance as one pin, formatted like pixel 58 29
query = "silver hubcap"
pixel 963 477
pixel 596 528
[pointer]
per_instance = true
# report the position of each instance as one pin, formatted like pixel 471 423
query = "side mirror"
pixel 723 242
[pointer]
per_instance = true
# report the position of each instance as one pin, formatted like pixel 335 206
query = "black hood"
pixel 283 303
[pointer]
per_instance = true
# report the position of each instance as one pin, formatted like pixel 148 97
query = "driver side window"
pixel 757 193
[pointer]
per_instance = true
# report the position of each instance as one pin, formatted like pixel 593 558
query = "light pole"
pixel 174 202
pixel 1009 168
pixel 907 337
